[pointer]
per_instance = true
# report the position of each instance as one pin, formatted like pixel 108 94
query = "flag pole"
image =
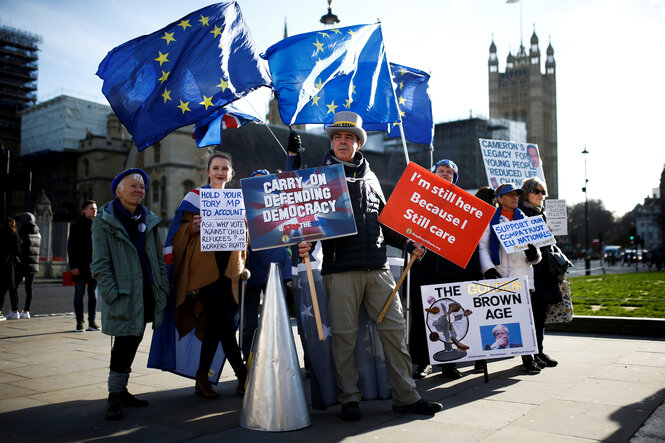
pixel 399 283
pixel 266 125
pixel 406 151
pixel 315 301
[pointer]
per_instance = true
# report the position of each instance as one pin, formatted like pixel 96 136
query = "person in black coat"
pixel 31 241
pixel 434 269
pixel 79 248
pixel 547 289
pixel 10 250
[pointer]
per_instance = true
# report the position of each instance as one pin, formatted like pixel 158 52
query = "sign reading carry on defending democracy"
pixel 444 218
pixel 476 320
pixel 294 206
pixel 510 162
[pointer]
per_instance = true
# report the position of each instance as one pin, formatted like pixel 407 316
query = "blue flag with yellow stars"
pixel 320 73
pixel 178 75
pixel 415 106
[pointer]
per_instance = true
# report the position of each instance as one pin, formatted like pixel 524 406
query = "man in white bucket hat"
pixel 355 270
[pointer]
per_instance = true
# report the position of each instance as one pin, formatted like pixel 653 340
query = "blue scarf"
pixel 494 240
pixel 135 226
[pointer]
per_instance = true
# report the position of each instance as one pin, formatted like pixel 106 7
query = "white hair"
pixel 135 175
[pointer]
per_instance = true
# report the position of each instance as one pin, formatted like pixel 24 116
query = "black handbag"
pixel 558 263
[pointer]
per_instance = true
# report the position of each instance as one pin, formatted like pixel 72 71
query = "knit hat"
pixel 451 164
pixel 118 178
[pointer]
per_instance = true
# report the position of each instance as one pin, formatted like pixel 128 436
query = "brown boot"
pixel 203 387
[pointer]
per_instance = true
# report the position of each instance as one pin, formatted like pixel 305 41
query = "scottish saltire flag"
pixel 415 106
pixel 373 378
pixel 169 351
pixel 208 131
pixel 180 74
pixel 320 73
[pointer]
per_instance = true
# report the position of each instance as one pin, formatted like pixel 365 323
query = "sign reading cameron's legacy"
pixel 444 218
pixel 510 162
pixel 223 220
pixel 478 320
pixel 304 205
pixel 517 234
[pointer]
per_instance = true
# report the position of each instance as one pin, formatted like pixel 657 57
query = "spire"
pixel 493 61
pixel 550 64
pixel 286 33
pixel 534 51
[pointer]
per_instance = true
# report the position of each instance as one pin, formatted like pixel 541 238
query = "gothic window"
pixel 158 154
pixel 163 203
pixel 155 192
pixel 86 167
pixel 187 186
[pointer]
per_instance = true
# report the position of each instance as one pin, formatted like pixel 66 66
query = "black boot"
pixel 242 380
pixel 114 406
pixel 129 401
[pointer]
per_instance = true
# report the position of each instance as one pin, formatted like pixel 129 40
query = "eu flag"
pixel 415 106
pixel 178 75
pixel 320 73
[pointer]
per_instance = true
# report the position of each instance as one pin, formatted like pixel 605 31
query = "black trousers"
pixel 219 326
pixel 123 352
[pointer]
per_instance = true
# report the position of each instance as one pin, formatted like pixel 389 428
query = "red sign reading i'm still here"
pixel 444 218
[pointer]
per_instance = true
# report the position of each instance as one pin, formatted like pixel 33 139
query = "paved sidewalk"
pixel 53 388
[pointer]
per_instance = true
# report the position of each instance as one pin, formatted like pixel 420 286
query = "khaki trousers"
pixel 346 290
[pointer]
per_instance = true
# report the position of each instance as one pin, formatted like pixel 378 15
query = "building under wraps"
pixel 18 81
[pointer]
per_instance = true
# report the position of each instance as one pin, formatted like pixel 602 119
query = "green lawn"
pixel 638 294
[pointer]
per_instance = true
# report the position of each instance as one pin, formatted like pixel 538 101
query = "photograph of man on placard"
pixel 499 336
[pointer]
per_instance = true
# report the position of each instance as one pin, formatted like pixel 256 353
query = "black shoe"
pixel 531 367
pixel 79 327
pixel 242 381
pixel 479 366
pixel 422 371
pixel 541 364
pixel 92 326
pixel 547 360
pixel 422 406
pixel 350 411
pixel 114 406
pixel 451 372
pixel 129 401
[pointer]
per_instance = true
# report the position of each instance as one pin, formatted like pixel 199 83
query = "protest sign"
pixel 557 216
pixel 478 320
pixel 510 162
pixel 223 220
pixel 304 205
pixel 518 234
pixel 444 218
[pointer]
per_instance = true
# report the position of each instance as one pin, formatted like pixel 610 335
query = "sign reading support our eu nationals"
pixel 180 74
pixel 510 162
pixel 516 235
pixel 476 320
pixel 223 224
pixel 304 205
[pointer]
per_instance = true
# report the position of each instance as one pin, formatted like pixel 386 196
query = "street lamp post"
pixel 587 256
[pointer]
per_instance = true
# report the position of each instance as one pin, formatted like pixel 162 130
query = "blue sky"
pixel 608 53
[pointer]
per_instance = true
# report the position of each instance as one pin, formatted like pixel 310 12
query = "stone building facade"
pixel 526 94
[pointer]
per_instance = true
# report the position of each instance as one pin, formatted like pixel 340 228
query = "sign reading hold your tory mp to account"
pixel 223 220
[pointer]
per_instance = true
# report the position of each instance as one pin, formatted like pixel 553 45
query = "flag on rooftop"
pixel 182 73
pixel 320 73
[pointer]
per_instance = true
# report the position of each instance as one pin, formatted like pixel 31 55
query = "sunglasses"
pixel 539 191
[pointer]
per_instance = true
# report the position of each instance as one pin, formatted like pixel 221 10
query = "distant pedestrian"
pixel 79 248
pixel 10 249
pixel 128 263
pixel 31 241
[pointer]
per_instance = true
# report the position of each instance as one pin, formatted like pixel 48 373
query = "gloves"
pixel 531 253
pixel 492 273
pixel 295 144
